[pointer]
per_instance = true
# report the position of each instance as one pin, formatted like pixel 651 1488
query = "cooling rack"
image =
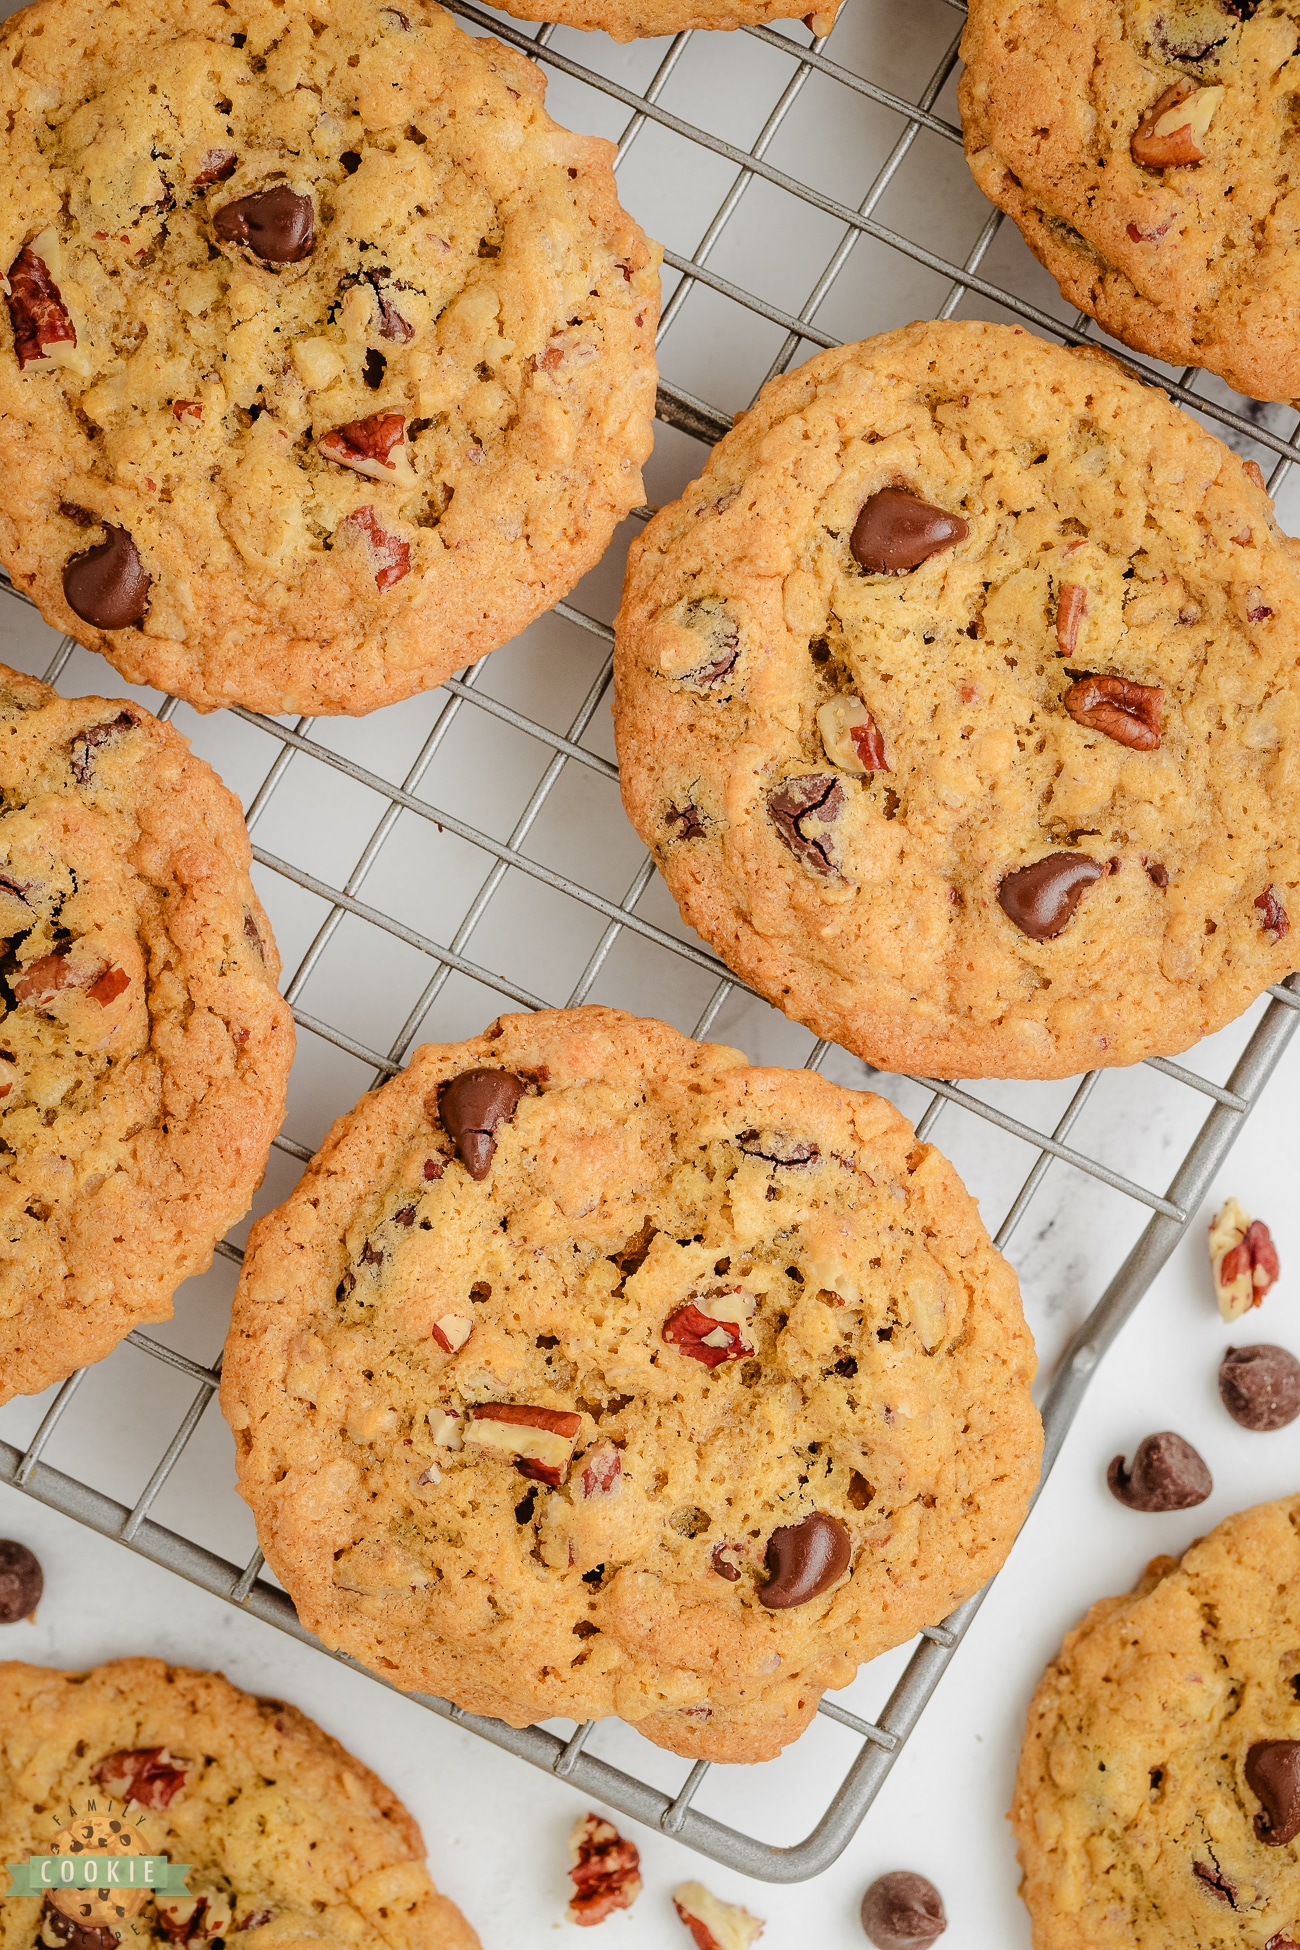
pixel 808 191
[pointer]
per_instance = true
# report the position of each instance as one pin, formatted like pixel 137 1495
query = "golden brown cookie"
pixel 144 1048
pixel 627 20
pixel 591 1371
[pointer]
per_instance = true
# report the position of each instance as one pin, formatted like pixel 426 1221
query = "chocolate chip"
pixel 108 585
pixel 901 1910
pixel 1167 1474
pixel 803 1560
pixel 72 1935
pixel 1273 1773
pixel 777 1148
pixel 896 531
pixel 1211 1877
pixel 278 225
pixel 815 796
pixel 684 822
pixel 1041 898
pixel 21 1582
pixel 1156 874
pixel 216 166
pixel 471 1107
pixel 73 511
pixel 88 741
pixel 1260 1386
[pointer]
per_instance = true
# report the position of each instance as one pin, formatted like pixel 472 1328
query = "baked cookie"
pixel 1158 1796
pixel 290 1841
pixel 1147 152
pixel 591 1371
pixel 331 362
pixel 628 20
pixel 144 1049
pixel 959 702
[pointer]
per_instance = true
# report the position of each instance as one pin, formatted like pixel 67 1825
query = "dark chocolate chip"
pixel 1041 898
pixel 896 531
pixel 1273 1773
pixel 684 822
pixel 777 1148
pixel 21 1582
pixel 108 585
pixel 1167 1474
pixel 1260 1386
pixel 901 1910
pixel 471 1107
pixel 278 225
pixel 815 796
pixel 88 741
pixel 803 1560
pixel 71 1934
pixel 1211 1877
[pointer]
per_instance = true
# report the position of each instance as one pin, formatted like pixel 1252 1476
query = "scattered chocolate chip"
pixel 816 797
pixel 803 1560
pixel 1273 1774
pixel 1158 875
pixel 36 309
pixel 217 166
pixel 896 531
pixel 722 1563
pixel 21 1582
pixel 66 1931
pixel 1041 898
pixel 686 820
pixel 902 1910
pixel 108 586
pixel 1260 1386
pixel 1211 1877
pixel 278 225
pixel 73 511
pixel 1167 1474
pixel 89 741
pixel 1127 712
pixel 777 1148
pixel 471 1107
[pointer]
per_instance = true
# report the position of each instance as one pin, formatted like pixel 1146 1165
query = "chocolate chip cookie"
pixel 331 356
pixel 627 20
pixel 1145 150
pixel 591 1371
pixel 959 704
pixel 144 1049
pixel 289 1839
pixel 1158 1795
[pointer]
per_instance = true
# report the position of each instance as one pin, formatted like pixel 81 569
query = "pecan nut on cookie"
pixel 1157 1800
pixel 1145 150
pixel 329 361
pixel 144 1048
pixel 592 1371
pixel 288 1839
pixel 959 702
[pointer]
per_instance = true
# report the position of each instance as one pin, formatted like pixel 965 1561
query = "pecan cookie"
pixel 959 702
pixel 627 20
pixel 144 1049
pixel 591 1371
pixel 331 362
pixel 1146 151
pixel 1158 1795
pixel 290 1841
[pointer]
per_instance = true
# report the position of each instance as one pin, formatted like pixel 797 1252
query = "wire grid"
pixel 882 1739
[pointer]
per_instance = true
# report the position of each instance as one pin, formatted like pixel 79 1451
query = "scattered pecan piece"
pixel 194 1919
pixel 146 1775
pixel 1272 914
pixel 602 1472
pixel 186 409
pixel 606 1871
pixel 705 1338
pixel 1127 712
pixel 777 1148
pixel 41 980
pixel 539 1441
pixel 451 1331
pixel 365 446
pixel 1173 130
pixel 36 310
pixel 1071 608
pixel 851 738
pixel 713 1924
pixel 390 555
pixel 107 987
pixel 1243 1259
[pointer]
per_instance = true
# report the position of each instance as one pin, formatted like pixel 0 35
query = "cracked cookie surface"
pixel 1134 1811
pixel 144 1048
pixel 1186 250
pixel 626 20
pixel 291 1841
pixel 958 702
pixel 667 1387
pixel 349 355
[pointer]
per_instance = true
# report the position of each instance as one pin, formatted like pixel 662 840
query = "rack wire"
pixel 504 875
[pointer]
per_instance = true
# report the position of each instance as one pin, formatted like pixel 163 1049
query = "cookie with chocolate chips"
pixel 328 362
pixel 144 1048
pixel 288 1838
pixel 592 1371
pixel 627 20
pixel 1157 1800
pixel 959 703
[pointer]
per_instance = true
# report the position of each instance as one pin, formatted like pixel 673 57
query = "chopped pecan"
pixel 146 1775
pixel 1071 608
pixel 539 1441
pixel 452 1331
pixel 366 446
pixel 606 1871
pixel 602 1472
pixel 1127 712
pixel 851 738
pixel 713 1924
pixel 1173 130
pixel 107 987
pixel 36 310
pixel 194 1919
pixel 704 1337
pixel 41 980
pixel 390 555
pixel 812 802
pixel 186 409
pixel 1272 914
pixel 1243 1259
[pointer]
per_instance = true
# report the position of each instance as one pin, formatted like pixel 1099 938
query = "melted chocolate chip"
pixel 684 822
pixel 471 1107
pixel 21 1582
pixel 803 1560
pixel 1211 1877
pixel 278 225
pixel 1260 1386
pixel 1041 898
pixel 777 1148
pixel 896 531
pixel 815 797
pixel 56 1927
pixel 1167 1474
pixel 902 1910
pixel 108 586
pixel 88 741
pixel 1273 1774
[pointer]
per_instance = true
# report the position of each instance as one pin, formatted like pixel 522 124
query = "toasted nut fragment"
pixel 1254 472
pixel 602 1473
pixel 446 1427
pixel 194 1919
pixel 107 987
pixel 1173 130
pixel 705 1337
pixel 713 1924
pixel 1071 608
pixel 390 556
pixel 146 1775
pixel 1272 914
pixel 606 1871
pixel 851 737
pixel 1127 712
pixel 451 1331
pixel 1244 1260
pixel 36 310
pixel 539 1441
pixel 367 447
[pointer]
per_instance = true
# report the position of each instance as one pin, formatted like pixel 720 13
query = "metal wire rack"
pixel 508 893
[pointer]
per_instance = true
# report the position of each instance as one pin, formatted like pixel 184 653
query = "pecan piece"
pixel 36 310
pixel 1272 914
pixel 606 1871
pixel 1071 608
pixel 705 1338
pixel 813 801
pixel 1120 709
pixel 390 555
pixel 602 1473
pixel 451 1331
pixel 713 1924
pixel 1173 130
pixel 146 1775
pixel 194 1919
pixel 107 987
pixel 41 980
pixel 1243 1259
pixel 539 1441
pixel 777 1148
pixel 366 445
pixel 851 738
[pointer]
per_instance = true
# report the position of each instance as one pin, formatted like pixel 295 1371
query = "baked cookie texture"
pixel 144 1049
pixel 1135 1820
pixel 292 1841
pixel 523 1438
pixel 627 20
pixel 363 367
pixel 1184 249
pixel 1082 526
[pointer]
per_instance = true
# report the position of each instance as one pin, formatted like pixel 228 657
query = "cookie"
pixel 1157 1800
pixel 958 703
pixel 1144 150
pixel 591 1371
pixel 628 20
pixel 144 1049
pixel 331 355
pixel 289 1840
